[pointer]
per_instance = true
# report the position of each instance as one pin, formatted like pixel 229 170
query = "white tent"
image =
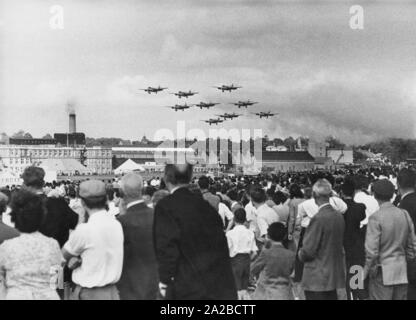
pixel 64 166
pixel 128 166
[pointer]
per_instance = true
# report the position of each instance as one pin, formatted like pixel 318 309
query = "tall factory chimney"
pixel 72 123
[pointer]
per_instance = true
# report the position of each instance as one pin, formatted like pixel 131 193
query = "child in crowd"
pixel 273 267
pixel 242 246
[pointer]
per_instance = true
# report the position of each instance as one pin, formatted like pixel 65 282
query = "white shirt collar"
pixel 98 215
pixel 134 203
pixel 407 193
pixel 176 188
pixel 323 205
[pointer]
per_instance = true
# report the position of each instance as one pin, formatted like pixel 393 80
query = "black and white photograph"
pixel 207 154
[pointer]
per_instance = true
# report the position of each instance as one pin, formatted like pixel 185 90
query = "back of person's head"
pixel 276 231
pixel 257 194
pixel 178 174
pixel 27 211
pixel 33 177
pixel 149 191
pixel 203 182
pixel 131 186
pixel 93 194
pixel 232 194
pixel 4 199
pixel 348 188
pixel 307 193
pixel 279 197
pixel 383 190
pixel 322 189
pixel 406 178
pixel 295 191
pixel 240 216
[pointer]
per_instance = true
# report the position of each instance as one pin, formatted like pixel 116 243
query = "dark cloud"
pixel 299 58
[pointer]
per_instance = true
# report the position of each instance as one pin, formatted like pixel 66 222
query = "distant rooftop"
pixel 287 156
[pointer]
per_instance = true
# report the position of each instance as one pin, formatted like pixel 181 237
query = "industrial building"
pixel 20 153
pixel 284 161
pixel 329 158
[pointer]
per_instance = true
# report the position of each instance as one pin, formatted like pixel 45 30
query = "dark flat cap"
pixel 384 188
pixel 92 189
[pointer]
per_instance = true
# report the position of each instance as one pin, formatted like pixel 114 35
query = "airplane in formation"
pixel 228 115
pixel 184 94
pixel 213 121
pixel 265 114
pixel 244 104
pixel 177 107
pixel 207 105
pixel 228 88
pixel 150 90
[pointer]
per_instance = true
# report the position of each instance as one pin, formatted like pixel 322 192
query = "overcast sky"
pixel 298 58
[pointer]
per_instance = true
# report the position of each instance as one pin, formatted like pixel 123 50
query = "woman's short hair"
pixel 27 211
pixel 33 177
pixel 295 191
pixel 279 197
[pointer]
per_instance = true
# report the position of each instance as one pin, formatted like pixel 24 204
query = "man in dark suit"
pixel 191 247
pixel 322 251
pixel 406 181
pixel 354 238
pixel 139 278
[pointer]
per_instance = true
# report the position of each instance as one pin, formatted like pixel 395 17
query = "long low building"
pixel 157 155
pixel 283 161
pixel 17 157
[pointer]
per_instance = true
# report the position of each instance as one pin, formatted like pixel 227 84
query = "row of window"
pixel 57 152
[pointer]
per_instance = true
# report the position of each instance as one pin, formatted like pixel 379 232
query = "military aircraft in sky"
pixel 205 104
pixel 226 87
pixel 177 107
pixel 184 94
pixel 265 114
pixel 228 115
pixel 150 90
pixel 244 104
pixel 213 121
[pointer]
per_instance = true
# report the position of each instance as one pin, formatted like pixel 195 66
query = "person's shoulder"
pixel 356 205
pixel 81 229
pixel 50 241
pixel 288 253
pixel 166 200
pixel 10 242
pixel 409 199
pixel 306 203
